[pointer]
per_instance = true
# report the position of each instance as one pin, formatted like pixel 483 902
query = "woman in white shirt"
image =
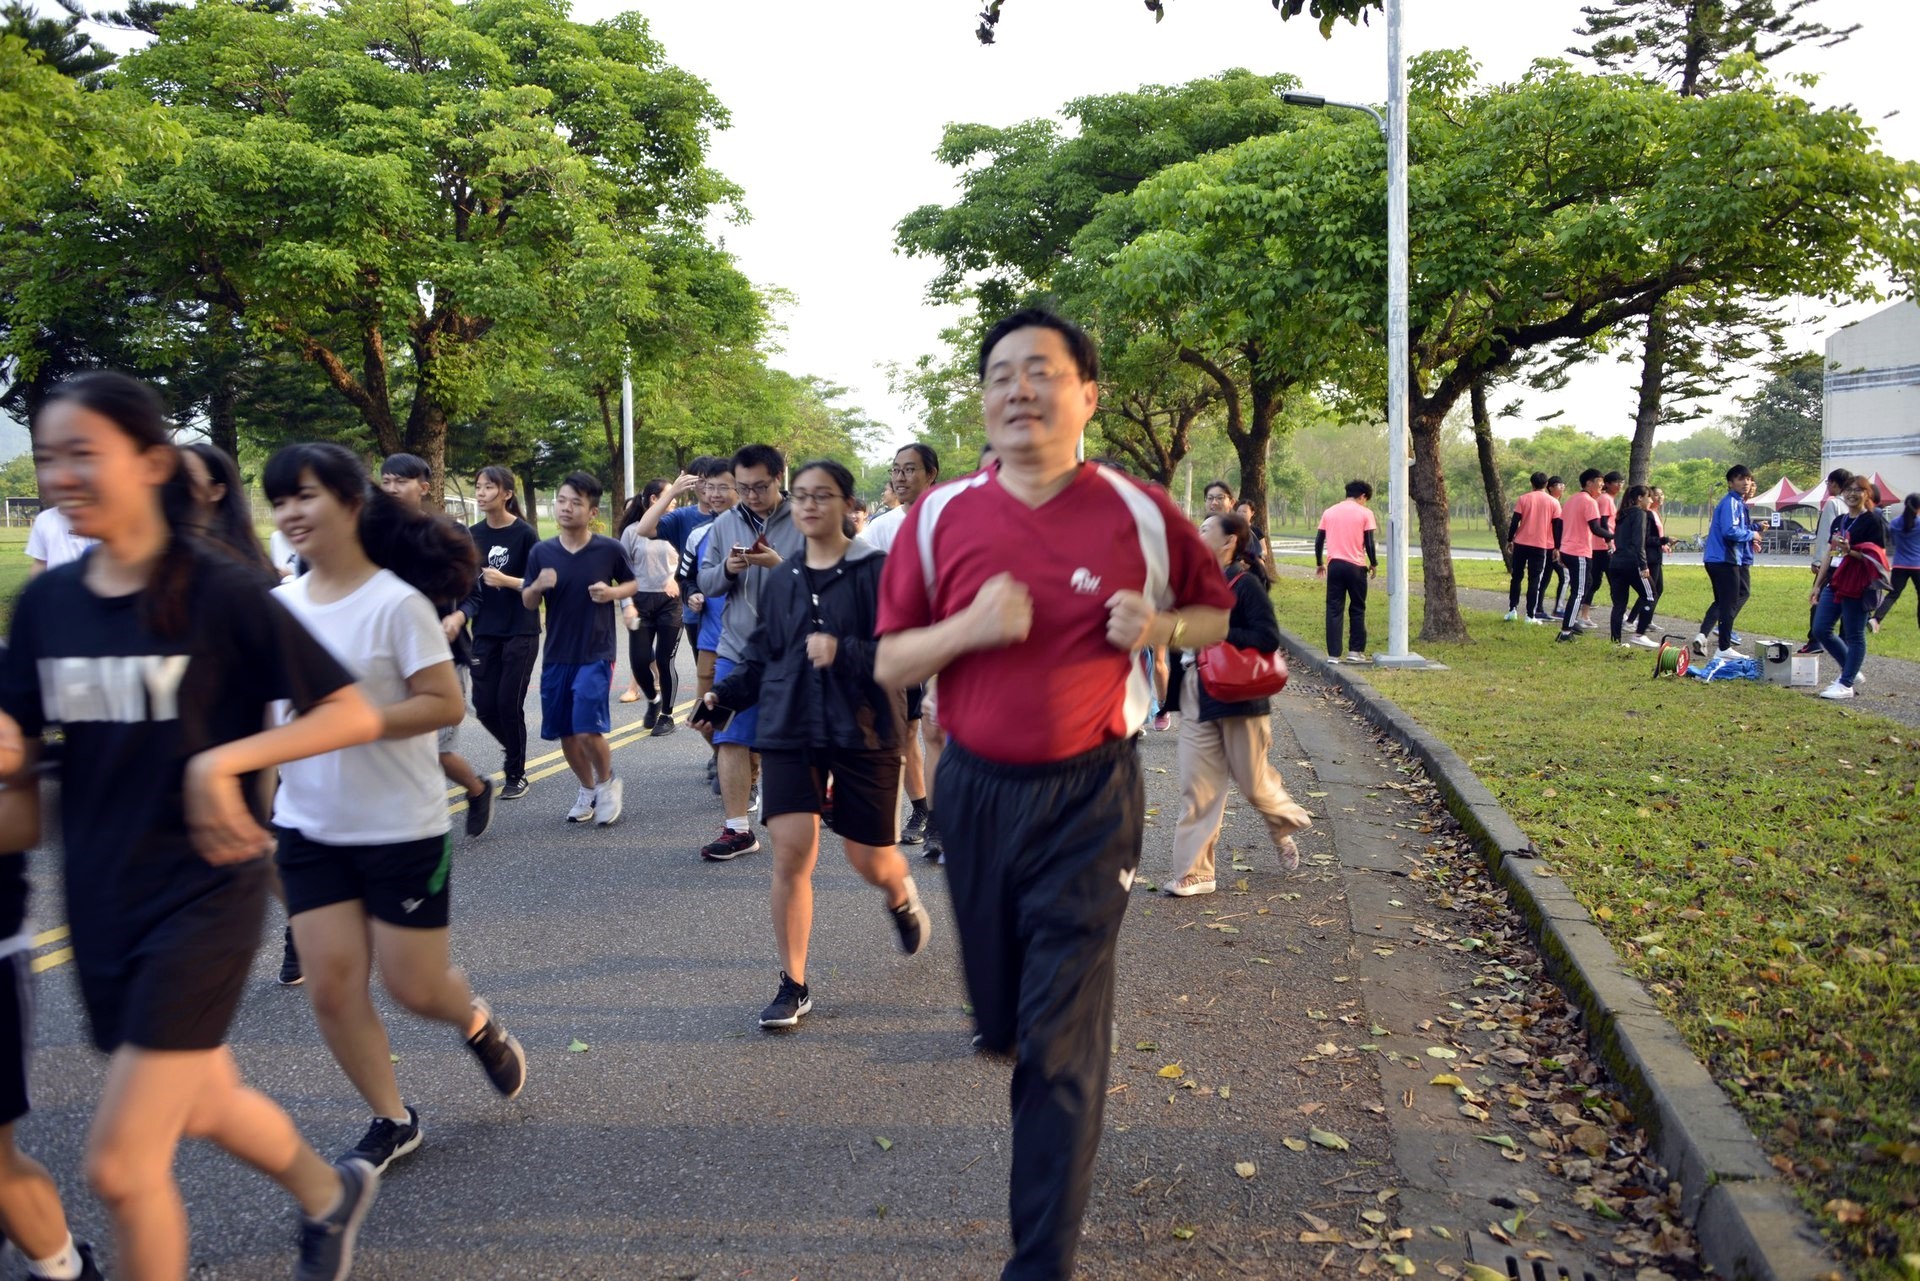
pixel 363 845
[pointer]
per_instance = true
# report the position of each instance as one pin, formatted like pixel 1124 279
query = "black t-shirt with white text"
pixel 502 612
pixel 135 708
pixel 579 629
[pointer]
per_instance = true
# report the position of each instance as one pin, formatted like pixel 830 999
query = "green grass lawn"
pixel 1750 853
pixel 13 572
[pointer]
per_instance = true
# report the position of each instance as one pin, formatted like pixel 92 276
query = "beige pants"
pixel 1234 749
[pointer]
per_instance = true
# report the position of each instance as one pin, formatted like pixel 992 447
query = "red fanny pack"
pixel 1859 573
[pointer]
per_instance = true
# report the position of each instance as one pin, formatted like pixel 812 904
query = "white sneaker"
pixel 606 801
pixel 1727 653
pixel 1354 656
pixel 582 805
pixel 1645 641
pixel 1513 615
pixel 1187 888
pixel 1837 690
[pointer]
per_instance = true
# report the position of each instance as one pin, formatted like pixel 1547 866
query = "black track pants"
pixel 1901 577
pixel 1532 563
pixel 653 644
pixel 1596 571
pixel 1557 575
pixel 1732 584
pixel 502 670
pixel 1578 567
pixel 1346 591
pixel 1623 579
pixel 1040 860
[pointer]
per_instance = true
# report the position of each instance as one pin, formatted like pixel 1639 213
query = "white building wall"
pixel 1870 417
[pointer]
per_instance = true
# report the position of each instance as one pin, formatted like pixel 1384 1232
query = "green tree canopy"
pixel 1779 425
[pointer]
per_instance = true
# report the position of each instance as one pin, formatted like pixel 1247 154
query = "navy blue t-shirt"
pixel 678 523
pixel 578 629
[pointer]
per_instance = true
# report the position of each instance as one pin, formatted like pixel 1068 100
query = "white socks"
pixel 738 824
pixel 64 1265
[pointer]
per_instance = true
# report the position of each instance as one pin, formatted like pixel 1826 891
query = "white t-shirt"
pixel 881 530
pixel 281 553
pixel 52 539
pixel 385 791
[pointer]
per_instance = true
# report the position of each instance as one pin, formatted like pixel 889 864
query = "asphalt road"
pixel 870 1142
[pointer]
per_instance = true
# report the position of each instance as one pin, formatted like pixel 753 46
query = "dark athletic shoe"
pixel 326 1244
pixel 729 846
pixel 911 922
pixel 652 717
pixel 933 851
pixel 480 811
pixel 1810 648
pixel 663 726
pixel 515 789
pixel 915 832
pixel 1567 635
pixel 387 1141
pixel 500 1055
pixel 793 1002
pixel 290 972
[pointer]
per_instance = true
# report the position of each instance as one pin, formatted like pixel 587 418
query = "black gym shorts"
pixel 866 790
pixel 16 1033
pixel 404 883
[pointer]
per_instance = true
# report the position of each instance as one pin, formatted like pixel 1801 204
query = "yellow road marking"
pixel 622 737
pixel 499 776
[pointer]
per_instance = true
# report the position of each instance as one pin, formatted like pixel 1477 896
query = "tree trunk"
pixel 1490 471
pixel 1440 616
pixel 618 487
pixel 427 437
pixel 529 497
pixel 1250 446
pixel 1653 377
pixel 223 421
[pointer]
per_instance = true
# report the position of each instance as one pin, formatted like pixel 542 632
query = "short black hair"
pixel 1554 480
pixel 585 484
pixel 1359 489
pixel 1220 485
pixel 1737 472
pixel 1612 478
pixel 1590 474
pixel 760 456
pixel 1085 357
pixel 928 458
pixel 1540 480
pixel 707 467
pixel 406 467
pixel 1839 476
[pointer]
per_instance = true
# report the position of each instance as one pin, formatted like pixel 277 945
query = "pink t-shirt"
pixel 1577 537
pixel 1346 525
pixel 1608 511
pixel 1537 510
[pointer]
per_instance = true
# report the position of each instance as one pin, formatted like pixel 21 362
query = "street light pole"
pixel 1393 129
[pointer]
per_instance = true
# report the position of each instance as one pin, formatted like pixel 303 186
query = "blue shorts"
pixel 746 722
pixel 574 699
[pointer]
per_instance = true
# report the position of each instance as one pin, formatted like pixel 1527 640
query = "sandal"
pixel 631 696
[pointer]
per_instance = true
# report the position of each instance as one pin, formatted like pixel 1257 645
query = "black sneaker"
pixel 1566 635
pixel 652 717
pixel 480 811
pixel 911 922
pixel 1810 648
pixel 500 1055
pixel 514 789
pixel 387 1141
pixel 326 1244
pixel 730 845
pixel 915 831
pixel 663 726
pixel 794 1000
pixel 933 851
pixel 290 972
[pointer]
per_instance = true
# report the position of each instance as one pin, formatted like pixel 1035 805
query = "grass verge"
pixel 1750 852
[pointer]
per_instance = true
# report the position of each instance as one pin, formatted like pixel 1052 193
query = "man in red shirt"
pixel 1533 536
pixel 1344 555
pixel 1029 588
pixel 1581 531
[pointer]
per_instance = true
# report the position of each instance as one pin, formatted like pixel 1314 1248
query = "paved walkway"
pixel 1290 1023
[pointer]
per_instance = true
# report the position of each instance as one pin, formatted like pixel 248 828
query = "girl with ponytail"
pixel 363 848
pixel 506 634
pixel 169 656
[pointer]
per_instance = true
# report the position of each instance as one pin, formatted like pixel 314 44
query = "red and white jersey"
pixel 1064 690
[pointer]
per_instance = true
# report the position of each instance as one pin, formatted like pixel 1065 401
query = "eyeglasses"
pixel 1039 376
pixel 911 469
pixel 814 497
pixel 756 491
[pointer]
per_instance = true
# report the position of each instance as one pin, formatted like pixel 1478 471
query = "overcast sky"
pixel 838 105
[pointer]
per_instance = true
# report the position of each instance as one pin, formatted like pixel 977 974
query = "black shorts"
pixel 405 883
pixel 915 695
pixel 177 985
pixel 866 790
pixel 16 1033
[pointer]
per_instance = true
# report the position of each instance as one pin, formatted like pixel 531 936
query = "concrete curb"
pixel 1748 1221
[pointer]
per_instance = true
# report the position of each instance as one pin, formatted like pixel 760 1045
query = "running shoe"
pixel 1332 661
pixel 1163 722
pixel 1513 616
pixel 606 801
pixel 1355 657
pixel 499 1052
pixel 793 1002
pixel 915 832
pixel 663 726
pixel 1539 621
pixel 729 846
pixel 290 973
pixel 1567 634
pixel 652 717
pixel 326 1243
pixel 1699 644
pixel 1809 648
pixel 582 810
pixel 1586 624
pixel 1189 886
pixel 1738 640
pixel 480 810
pixel 514 789
pixel 911 921
pixel 1837 691
pixel 1645 641
pixel 386 1141
pixel 1727 653
pixel 933 851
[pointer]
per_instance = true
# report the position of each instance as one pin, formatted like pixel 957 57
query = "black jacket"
pixel 1633 533
pixel 1251 625
pixel 803 706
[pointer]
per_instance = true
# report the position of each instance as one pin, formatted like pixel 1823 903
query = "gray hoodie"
pixel 736 527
